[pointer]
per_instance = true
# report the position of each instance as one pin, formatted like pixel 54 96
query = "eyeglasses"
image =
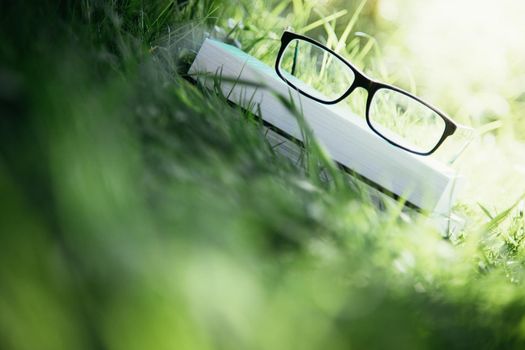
pixel 397 116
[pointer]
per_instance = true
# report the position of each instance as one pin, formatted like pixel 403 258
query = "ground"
pixel 141 211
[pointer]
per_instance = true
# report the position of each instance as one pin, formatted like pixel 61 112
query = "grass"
pixel 139 211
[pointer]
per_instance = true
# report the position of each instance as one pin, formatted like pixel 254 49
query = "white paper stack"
pixel 421 181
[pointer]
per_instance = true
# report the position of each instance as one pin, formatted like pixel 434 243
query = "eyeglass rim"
pixel 370 85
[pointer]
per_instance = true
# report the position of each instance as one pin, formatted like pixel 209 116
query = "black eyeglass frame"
pixel 371 86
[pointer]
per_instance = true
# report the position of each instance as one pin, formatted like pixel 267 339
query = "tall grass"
pixel 139 211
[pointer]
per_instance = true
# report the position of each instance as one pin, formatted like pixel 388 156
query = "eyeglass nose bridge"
pixel 363 82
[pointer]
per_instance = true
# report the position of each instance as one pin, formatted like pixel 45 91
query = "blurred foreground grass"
pixel 140 212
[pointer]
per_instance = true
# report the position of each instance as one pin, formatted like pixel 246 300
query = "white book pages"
pixel 421 181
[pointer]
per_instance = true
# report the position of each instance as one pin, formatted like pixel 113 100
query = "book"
pixel 423 182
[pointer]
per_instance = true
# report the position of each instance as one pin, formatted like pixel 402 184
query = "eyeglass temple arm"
pixel 296 50
pixel 469 134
